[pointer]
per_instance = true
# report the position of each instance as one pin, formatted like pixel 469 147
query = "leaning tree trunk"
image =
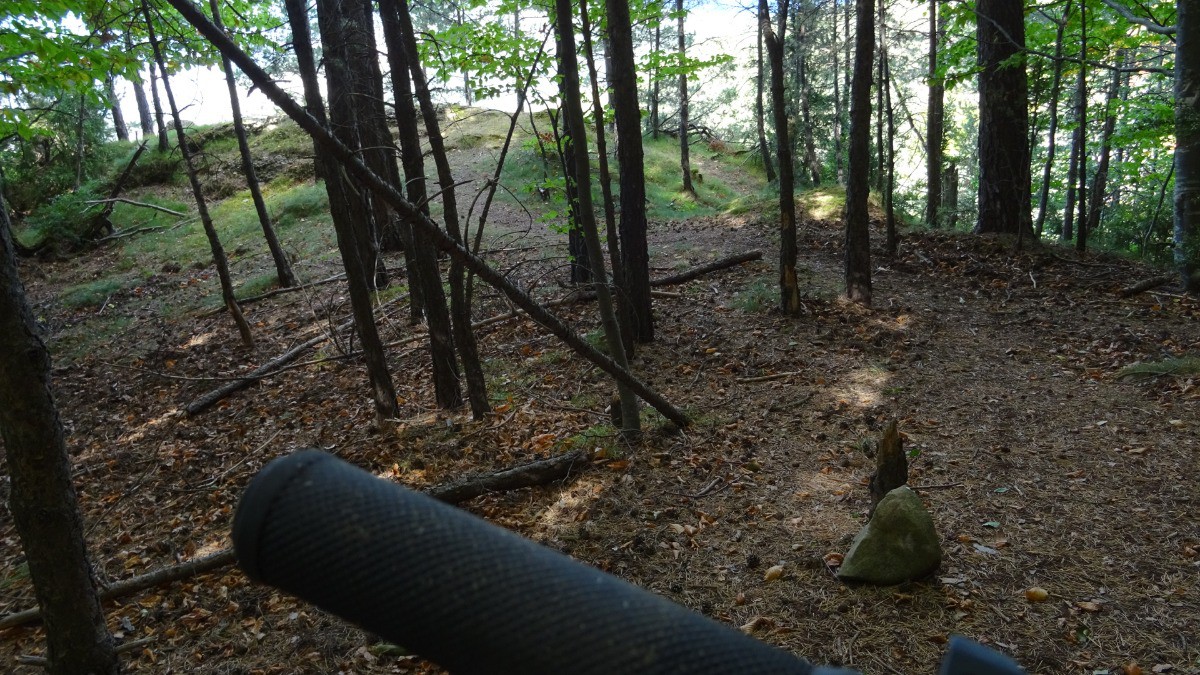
pixel 1187 145
pixel 283 268
pixel 635 254
pixel 1051 142
pixel 210 231
pixel 858 234
pixel 460 303
pixel 114 103
pixel 789 286
pixel 1004 188
pixel 573 114
pixel 685 162
pixel 42 498
pixel 935 125
pixel 760 120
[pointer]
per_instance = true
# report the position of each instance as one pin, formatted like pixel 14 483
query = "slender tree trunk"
pixel 610 209
pixel 1187 145
pixel 411 158
pixel 858 233
pixel 80 141
pixel 306 64
pixel 573 114
pixel 347 207
pixel 145 118
pixel 1067 231
pixel 935 122
pixel 880 160
pixel 789 287
pixel 42 498
pixel 1004 180
pixel 460 307
pixel 1100 179
pixel 210 231
pixel 114 103
pixel 839 166
pixel 685 163
pixel 160 123
pixel 635 254
pixel 283 268
pixel 889 188
pixel 810 146
pixel 655 89
pixel 1052 141
pixel 1081 232
pixel 760 120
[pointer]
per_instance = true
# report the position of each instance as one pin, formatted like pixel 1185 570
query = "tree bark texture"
pixel 572 111
pixel 789 286
pixel 42 498
pixel 459 319
pixel 220 260
pixel 118 118
pixel 760 115
pixel 306 64
pixel 145 118
pixel 858 233
pixel 1004 173
pixel 635 253
pixel 164 143
pixel 1187 144
pixel 1081 232
pixel 1099 188
pixel 283 268
pixel 935 124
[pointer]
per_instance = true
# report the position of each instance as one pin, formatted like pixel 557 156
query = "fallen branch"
pixel 101 222
pixel 276 291
pixel 144 205
pixel 707 268
pixel 206 401
pixel 532 474
pixel 1145 285
pixel 526 475
pixel 767 378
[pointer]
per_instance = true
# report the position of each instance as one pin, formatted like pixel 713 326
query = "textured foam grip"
pixel 466 594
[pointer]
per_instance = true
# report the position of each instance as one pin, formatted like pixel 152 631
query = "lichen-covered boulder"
pixel 897 545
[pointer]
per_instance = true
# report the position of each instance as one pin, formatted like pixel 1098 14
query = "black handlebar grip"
pixel 465 594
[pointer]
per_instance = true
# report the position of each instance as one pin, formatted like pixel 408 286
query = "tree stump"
pixel 891 465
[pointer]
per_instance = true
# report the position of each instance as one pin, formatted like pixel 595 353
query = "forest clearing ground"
pixel 1039 466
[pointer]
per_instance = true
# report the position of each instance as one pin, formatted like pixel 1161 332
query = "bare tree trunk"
pixel 759 114
pixel 635 254
pixel 80 142
pixel 655 89
pixel 210 231
pixel 459 320
pixel 145 118
pixel 858 234
pixel 306 64
pixel 877 175
pixel 685 163
pixel 889 188
pixel 42 498
pixel 935 121
pixel 1187 145
pixel 806 134
pixel 789 286
pixel 1052 142
pixel 573 113
pixel 283 268
pixel 1067 230
pixel 1081 232
pixel 114 104
pixel 610 209
pixel 164 143
pixel 839 160
pixel 1100 179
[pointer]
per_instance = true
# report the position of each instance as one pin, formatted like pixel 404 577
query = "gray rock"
pixel 898 544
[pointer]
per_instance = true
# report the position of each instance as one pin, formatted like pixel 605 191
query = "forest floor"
pixel 1041 467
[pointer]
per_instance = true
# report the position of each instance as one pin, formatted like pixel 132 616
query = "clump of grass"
pixel 1176 367
pixel 756 297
